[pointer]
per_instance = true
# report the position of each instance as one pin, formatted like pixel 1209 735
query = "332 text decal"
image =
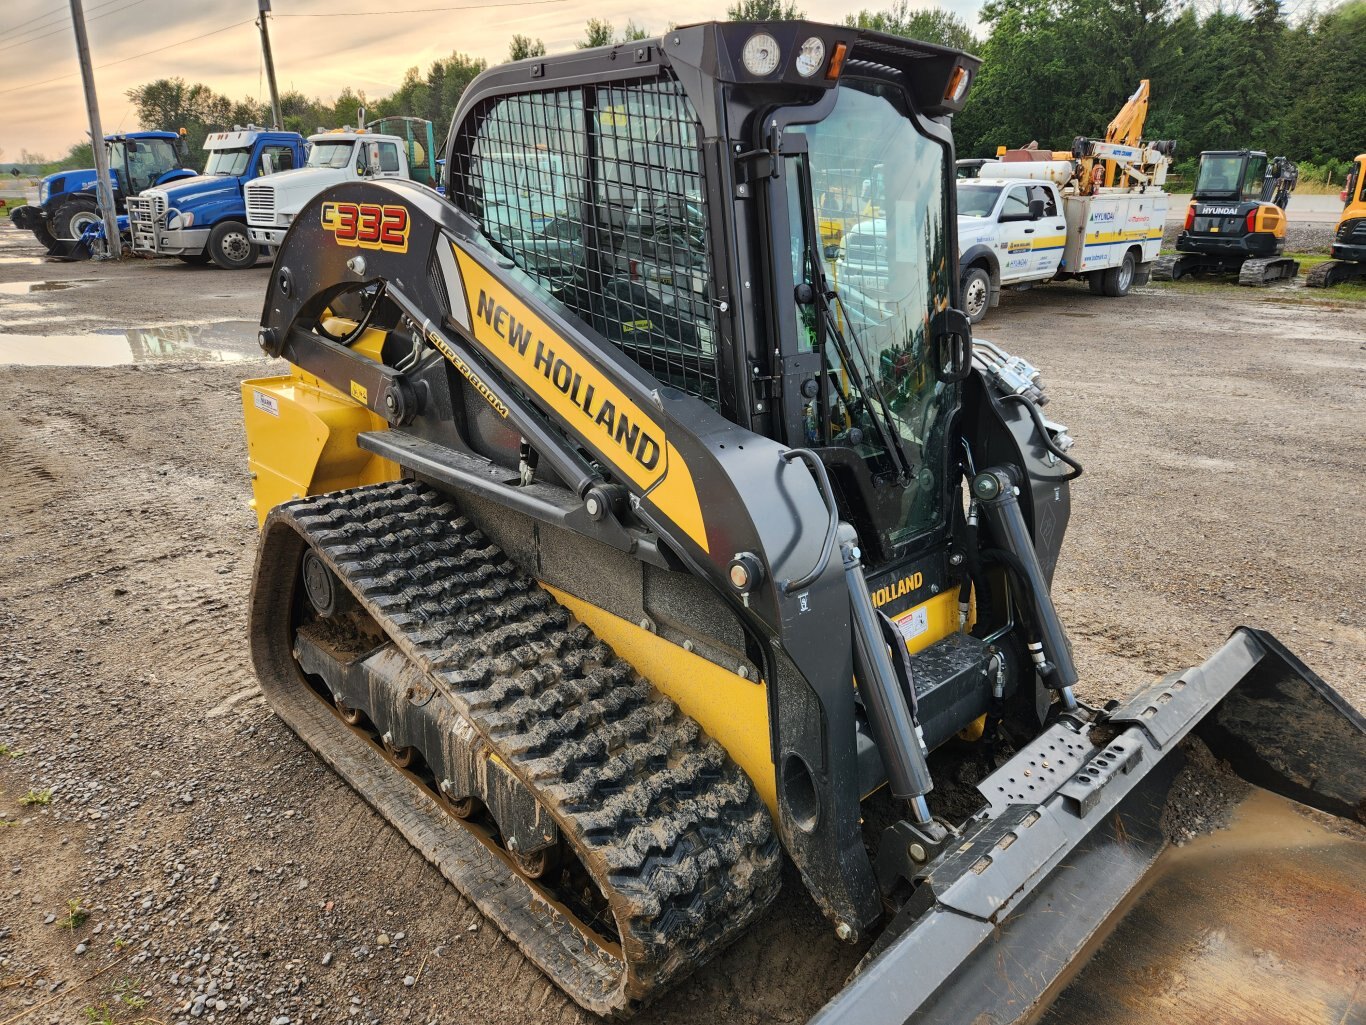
pixel 368 225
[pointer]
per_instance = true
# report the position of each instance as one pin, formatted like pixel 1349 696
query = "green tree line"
pixel 1053 70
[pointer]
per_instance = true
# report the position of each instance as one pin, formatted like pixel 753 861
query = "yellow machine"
pixel 1348 261
pixel 618 552
pixel 1236 220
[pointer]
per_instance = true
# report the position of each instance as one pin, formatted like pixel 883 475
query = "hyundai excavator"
pixel 1235 223
pixel 1348 253
pixel 618 554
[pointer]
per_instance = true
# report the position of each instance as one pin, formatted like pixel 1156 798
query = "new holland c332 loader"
pixel 616 551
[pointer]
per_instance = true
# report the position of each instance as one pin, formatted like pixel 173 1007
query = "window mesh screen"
pixel 596 193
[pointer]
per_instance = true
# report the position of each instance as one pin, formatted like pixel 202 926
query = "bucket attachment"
pixel 1073 822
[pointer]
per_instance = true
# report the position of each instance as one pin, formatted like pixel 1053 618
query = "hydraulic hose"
pixel 1044 437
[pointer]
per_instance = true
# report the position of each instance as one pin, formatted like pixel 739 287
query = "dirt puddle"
pixel 29 287
pixel 1262 923
pixel 226 341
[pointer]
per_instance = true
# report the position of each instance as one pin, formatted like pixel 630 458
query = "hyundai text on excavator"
pixel 1348 262
pixel 615 551
pixel 1235 223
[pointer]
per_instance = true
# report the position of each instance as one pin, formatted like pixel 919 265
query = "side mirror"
pixel 951 336
pixel 1036 209
pixel 372 158
pixel 267 163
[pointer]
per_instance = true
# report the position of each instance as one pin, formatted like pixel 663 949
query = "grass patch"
pixel 1338 295
pixel 43 797
pixel 75 916
pixel 128 993
pixel 10 752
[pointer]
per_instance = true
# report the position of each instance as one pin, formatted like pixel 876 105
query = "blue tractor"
pixel 204 219
pixel 66 200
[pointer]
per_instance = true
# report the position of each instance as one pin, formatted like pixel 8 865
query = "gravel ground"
pixel 181 857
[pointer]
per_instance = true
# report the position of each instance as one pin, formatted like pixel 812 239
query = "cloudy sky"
pixel 41 109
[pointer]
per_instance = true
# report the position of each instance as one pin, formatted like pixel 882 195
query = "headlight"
pixel 760 55
pixel 810 57
pixel 43 191
pixel 176 220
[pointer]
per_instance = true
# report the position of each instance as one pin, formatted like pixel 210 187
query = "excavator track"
pixel 1167 268
pixel 1334 272
pixel 670 831
pixel 1263 272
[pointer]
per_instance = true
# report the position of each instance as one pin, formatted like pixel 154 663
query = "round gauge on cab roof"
pixel 760 55
pixel 810 57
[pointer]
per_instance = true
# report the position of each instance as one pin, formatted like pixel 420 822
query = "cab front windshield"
pixel 231 162
pixel 330 154
pixel 977 200
pixel 891 273
pixel 1230 174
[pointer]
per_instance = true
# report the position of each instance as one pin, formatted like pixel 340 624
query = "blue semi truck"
pixel 204 219
pixel 66 200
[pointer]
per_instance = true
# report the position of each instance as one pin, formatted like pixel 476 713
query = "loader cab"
pixel 689 203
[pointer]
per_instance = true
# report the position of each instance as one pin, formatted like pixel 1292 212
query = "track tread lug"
pixel 675 829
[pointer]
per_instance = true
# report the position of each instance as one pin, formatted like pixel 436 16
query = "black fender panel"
pixel 983 254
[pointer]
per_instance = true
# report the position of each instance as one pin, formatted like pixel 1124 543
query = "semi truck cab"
pixel 203 219
pixel 334 157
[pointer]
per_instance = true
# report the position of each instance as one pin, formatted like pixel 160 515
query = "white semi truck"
pixel 334 157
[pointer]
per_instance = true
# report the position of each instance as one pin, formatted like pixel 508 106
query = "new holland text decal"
pixel 898 589
pixel 368 225
pixel 587 400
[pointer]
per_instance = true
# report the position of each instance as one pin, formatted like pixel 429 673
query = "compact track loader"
pixel 1235 223
pixel 616 551
pixel 1348 263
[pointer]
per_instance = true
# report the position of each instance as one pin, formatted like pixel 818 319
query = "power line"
pixel 419 10
pixel 125 60
pixel 59 14
pixel 63 28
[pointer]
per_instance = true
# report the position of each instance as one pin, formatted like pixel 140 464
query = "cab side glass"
pixel 1015 207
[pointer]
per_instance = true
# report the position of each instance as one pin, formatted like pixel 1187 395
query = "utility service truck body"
pixel 205 218
pixel 334 158
pixel 1024 230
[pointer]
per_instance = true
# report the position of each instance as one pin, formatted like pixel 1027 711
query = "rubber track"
pixel 1264 271
pixel 670 828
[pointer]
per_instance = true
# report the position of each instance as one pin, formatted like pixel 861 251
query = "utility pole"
pixel 279 123
pixel 104 192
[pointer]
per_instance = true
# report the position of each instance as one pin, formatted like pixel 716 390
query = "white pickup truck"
pixel 1017 228
pixel 335 157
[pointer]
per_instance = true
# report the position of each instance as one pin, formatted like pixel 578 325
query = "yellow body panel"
pixel 940 619
pixel 566 382
pixel 733 711
pixel 301 440
pixel 1355 207
pixel 1271 219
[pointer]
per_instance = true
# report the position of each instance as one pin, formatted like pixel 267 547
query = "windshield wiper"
pixel 891 438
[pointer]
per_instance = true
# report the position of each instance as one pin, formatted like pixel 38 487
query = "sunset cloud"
pixel 319 56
